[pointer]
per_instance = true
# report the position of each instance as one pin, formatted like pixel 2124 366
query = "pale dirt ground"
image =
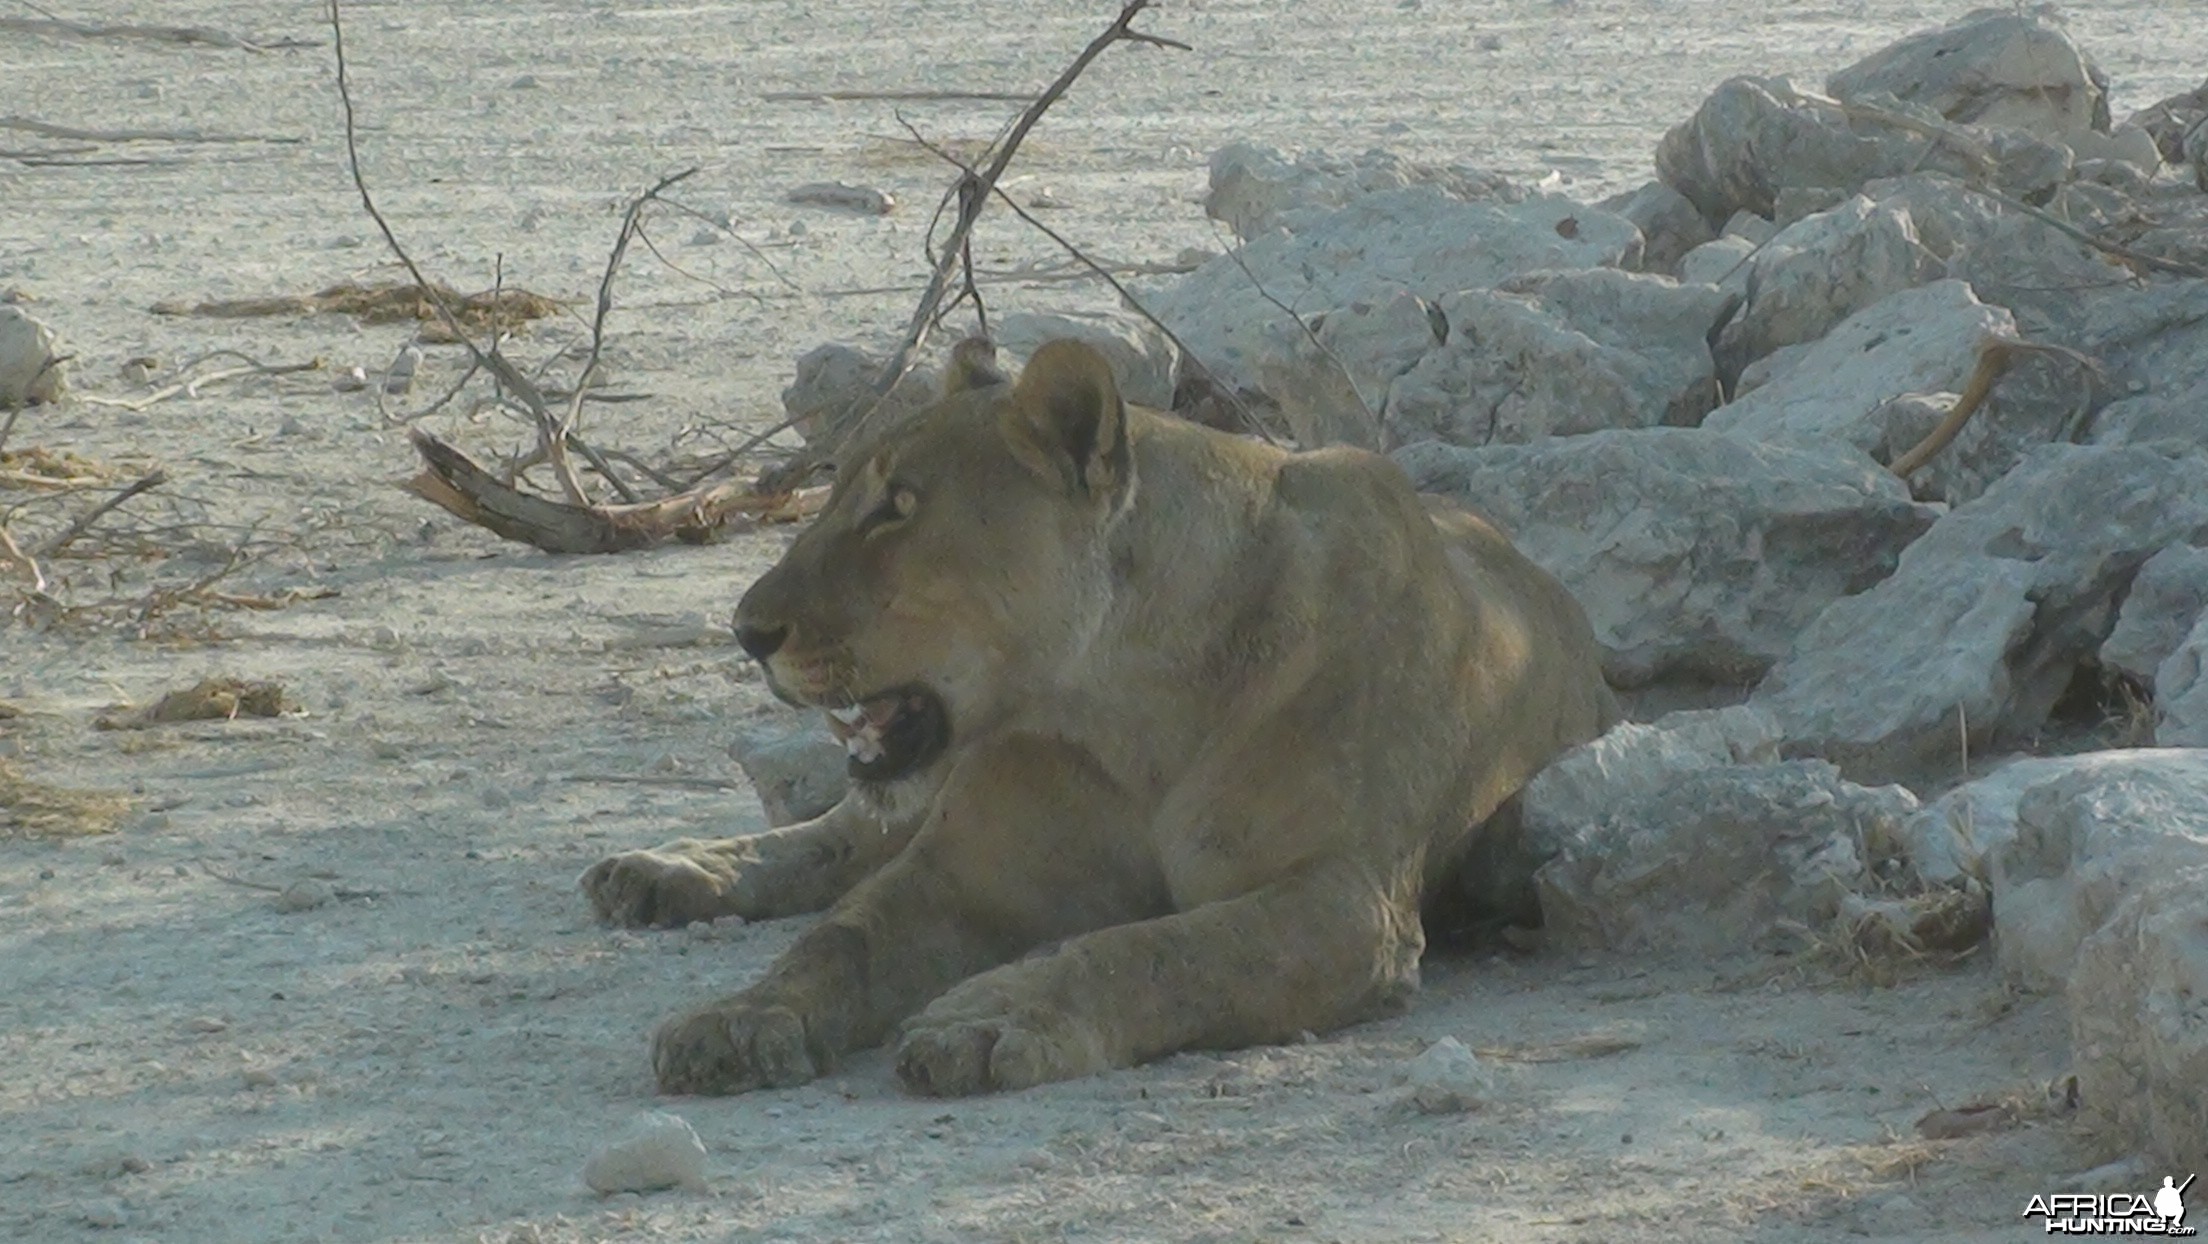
pixel 433 1063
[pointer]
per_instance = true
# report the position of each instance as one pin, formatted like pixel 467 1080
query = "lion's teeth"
pixel 848 716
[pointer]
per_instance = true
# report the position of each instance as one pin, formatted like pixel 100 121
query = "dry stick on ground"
pixel 1992 362
pixel 1242 411
pixel 47 130
pixel 917 97
pixel 925 315
pixel 54 27
pixel 153 479
pixel 471 493
pixel 191 387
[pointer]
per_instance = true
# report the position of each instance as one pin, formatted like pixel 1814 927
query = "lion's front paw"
pixel 732 1047
pixel 665 887
pixel 955 1055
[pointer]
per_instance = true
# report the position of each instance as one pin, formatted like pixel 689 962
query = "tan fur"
pixel 1220 716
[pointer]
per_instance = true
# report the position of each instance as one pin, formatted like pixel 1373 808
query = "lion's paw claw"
pixel 654 889
pixel 961 1057
pixel 732 1048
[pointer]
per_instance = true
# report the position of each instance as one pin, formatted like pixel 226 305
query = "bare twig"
pixel 491 360
pixel 631 222
pixel 54 27
pixel 191 387
pixel 2125 253
pixel 1993 360
pixel 655 779
pixel 1009 97
pixel 1242 411
pixel 925 314
pixel 152 479
pixel 48 130
pixel 1310 334
pixel 24 561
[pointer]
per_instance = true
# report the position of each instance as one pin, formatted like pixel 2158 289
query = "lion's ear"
pixel 973 366
pixel 1066 415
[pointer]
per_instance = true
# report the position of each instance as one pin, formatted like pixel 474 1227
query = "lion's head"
pixel 960 565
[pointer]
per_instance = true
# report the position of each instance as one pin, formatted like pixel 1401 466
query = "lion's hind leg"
pixel 1326 946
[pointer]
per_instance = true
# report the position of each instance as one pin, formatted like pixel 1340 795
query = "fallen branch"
pixel 48 130
pixel 152 479
pixel 2127 254
pixel 916 97
pixel 54 27
pixel 191 387
pixel 1992 362
pixel 453 481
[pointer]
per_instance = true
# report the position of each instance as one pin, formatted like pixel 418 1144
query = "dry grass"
pixel 35 809
pixel 482 312
pixel 52 470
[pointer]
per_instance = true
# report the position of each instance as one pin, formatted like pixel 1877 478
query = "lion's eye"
pixel 897 505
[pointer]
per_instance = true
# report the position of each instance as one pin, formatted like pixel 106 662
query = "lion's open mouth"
pixel 890 735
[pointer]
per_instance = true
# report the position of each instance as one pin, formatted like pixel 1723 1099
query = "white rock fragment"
pixel 2181 692
pixel 1254 187
pixel 1141 356
pixel 30 372
pixel 1447 1079
pixel 349 379
pixel 660 1151
pixel 399 377
pixel 104 1214
pixel 1993 68
pixel 1228 312
pixel 799 770
pixel 844 197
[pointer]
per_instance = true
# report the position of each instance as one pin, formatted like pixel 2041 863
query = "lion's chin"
pixel 893 734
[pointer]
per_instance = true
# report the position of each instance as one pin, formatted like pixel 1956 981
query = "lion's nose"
pixel 761 641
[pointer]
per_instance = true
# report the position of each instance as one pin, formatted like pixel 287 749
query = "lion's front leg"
pixel 1028 842
pixel 783 872
pixel 1326 947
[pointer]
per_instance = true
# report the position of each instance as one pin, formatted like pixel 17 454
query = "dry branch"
pixel 152 479
pixel 1992 362
pixel 54 27
pixel 48 130
pixel 1242 410
pixel 916 97
pixel 974 191
pixel 453 481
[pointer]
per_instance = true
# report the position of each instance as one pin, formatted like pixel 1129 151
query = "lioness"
pixel 1206 717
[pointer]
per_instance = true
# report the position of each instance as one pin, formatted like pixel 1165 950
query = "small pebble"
pixel 304 894
pixel 207 1023
pixel 257 1078
pixel 660 1151
pixel 1447 1079
pixel 349 379
pixel 105 1214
